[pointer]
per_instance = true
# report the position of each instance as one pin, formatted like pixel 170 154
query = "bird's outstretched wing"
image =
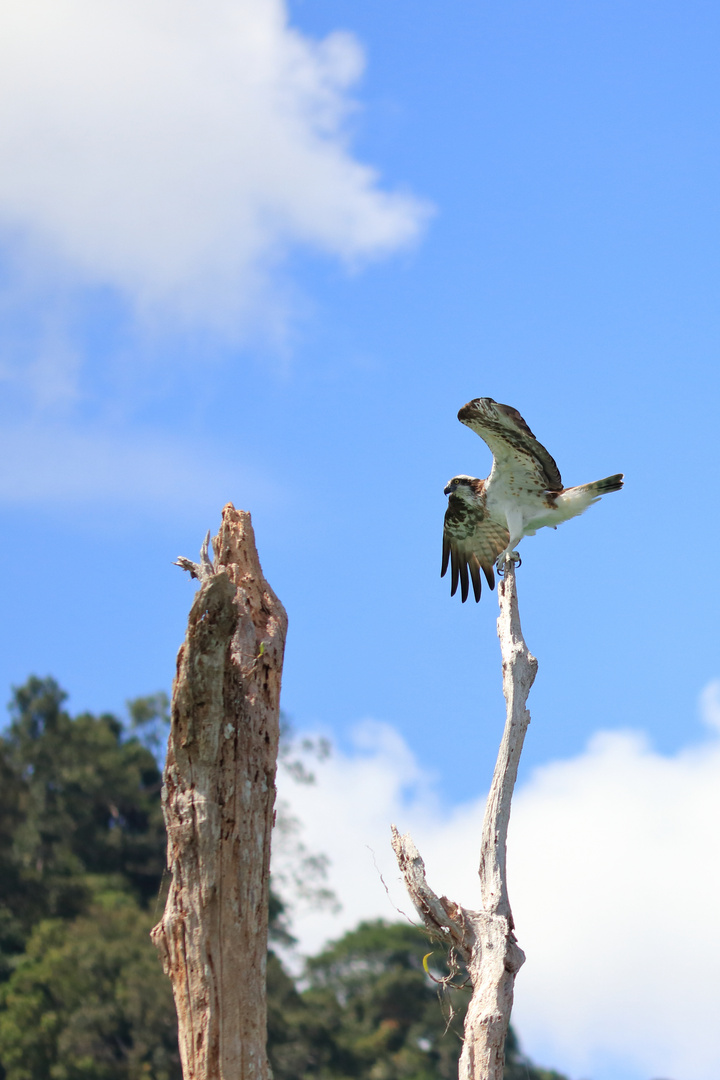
pixel 517 453
pixel 471 541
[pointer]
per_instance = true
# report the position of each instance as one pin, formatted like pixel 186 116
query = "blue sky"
pixel 262 254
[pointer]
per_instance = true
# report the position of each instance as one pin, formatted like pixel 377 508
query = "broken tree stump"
pixel 218 800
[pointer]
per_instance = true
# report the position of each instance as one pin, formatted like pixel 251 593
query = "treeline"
pixel 82 993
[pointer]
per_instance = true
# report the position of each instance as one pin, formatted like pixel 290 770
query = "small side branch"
pixel 203 570
pixel 441 916
pixel 218 802
pixel 485 938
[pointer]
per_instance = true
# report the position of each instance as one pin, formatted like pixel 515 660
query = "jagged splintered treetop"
pixel 485 519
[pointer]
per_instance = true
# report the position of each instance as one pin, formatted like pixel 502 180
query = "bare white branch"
pixel 519 671
pixel 485 938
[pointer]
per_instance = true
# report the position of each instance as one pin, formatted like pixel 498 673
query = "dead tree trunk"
pixel 218 801
pixel 485 939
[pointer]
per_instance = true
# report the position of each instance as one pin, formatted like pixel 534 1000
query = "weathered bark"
pixel 485 939
pixel 218 801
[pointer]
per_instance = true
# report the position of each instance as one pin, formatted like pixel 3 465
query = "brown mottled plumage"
pixel 471 540
pixel 485 519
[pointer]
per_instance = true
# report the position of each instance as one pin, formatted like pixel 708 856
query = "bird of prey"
pixel 485 519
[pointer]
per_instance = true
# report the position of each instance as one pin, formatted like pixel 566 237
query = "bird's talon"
pixel 506 557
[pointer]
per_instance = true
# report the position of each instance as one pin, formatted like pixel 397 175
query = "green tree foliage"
pixel 82 848
pixel 82 993
pixel 89 1000
pixel 369 1011
pixel 79 802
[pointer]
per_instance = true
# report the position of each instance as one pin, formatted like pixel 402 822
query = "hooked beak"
pixel 449 489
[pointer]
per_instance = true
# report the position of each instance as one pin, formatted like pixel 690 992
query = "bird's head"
pixel 478 408
pixel 465 487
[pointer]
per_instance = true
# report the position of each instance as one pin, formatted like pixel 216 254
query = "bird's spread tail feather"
pixel 601 487
pixel 575 500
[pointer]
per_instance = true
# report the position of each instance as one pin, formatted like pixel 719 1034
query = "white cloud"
pixel 347 815
pixel 614 879
pixel 176 148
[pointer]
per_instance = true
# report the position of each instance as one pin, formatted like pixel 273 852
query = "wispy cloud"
pixel 177 150
pixel 710 705
pixel 57 466
pixel 614 879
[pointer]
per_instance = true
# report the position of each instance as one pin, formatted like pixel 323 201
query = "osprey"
pixel 485 519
